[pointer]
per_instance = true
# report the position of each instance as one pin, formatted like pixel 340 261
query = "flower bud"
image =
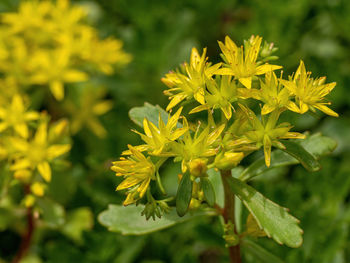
pixel 228 160
pixel 198 167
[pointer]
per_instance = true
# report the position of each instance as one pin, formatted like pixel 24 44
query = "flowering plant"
pixel 244 102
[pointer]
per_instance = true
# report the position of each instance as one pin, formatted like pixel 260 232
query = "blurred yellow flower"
pixel 16 116
pixel 54 69
pixel 37 153
pixel 90 106
pixel 51 43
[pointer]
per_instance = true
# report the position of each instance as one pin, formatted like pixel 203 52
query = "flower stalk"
pixel 229 214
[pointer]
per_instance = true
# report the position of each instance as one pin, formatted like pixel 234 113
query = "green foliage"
pixel 272 218
pixel 304 157
pixel 316 144
pixel 184 194
pixel 159 34
pixel 127 220
pixel 208 191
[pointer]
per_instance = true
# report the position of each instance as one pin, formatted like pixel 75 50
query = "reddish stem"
pixel 27 237
pixel 229 214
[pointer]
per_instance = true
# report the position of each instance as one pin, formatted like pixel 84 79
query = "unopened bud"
pixel 198 167
pixel 228 160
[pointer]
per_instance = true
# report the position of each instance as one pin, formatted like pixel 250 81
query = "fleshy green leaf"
pixel 259 253
pixel 53 214
pixel 148 111
pixel 77 221
pixel 127 220
pixel 303 156
pixel 316 144
pixel 272 218
pixel 184 194
pixel 208 191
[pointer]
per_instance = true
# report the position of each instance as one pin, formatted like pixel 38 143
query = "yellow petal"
pixel 225 71
pixel 74 76
pixel 57 150
pixel 3 126
pixel 17 103
pixel 96 127
pixel 102 107
pixel 57 89
pixel 41 134
pixel 267 150
pixel 128 182
pixel 247 82
pixel 266 68
pixel 38 189
pixel 175 100
pixel 45 171
pixel 326 110
pixel 267 108
pixel 198 109
pixel 20 165
pixel 22 129
pixel 31 115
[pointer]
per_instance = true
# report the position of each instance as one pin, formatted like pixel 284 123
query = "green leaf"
pixel 77 221
pixel 184 194
pixel 148 111
pixel 128 221
pixel 304 157
pixel 53 214
pixel 316 144
pixel 272 218
pixel 259 253
pixel 208 191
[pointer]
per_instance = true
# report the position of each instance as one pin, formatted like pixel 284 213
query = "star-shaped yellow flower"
pixel 242 63
pixel 190 83
pixel 37 153
pixel 137 171
pixel 309 93
pixel 16 116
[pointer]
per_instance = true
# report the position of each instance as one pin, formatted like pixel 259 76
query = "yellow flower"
pixel 90 106
pixel 38 188
pixel 137 171
pixel 157 139
pixel 267 133
pixel 241 63
pixel 203 144
pixel 37 153
pixel 55 69
pixel 192 82
pixel 221 97
pixel 309 93
pixel 16 116
pixel 273 95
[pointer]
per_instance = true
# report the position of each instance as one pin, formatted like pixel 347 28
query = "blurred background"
pixel 159 35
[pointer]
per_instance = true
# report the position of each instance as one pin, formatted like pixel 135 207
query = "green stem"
pixel 229 214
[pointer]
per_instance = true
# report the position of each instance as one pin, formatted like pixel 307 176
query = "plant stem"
pixel 27 237
pixel 229 214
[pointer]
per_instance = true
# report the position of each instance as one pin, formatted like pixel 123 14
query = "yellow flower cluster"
pixel 50 44
pixel 29 144
pixel 230 86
